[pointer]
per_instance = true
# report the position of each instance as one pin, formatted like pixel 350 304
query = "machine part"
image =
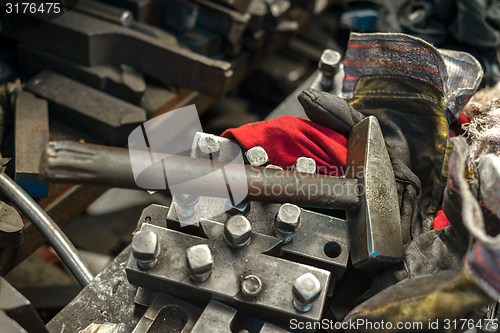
pixel 277 8
pixel 202 42
pixel 199 262
pixel 313 6
pixel 275 167
pixel 113 14
pixel 287 222
pixel 17 307
pixel 147 11
pixel 375 228
pixel 239 5
pixel 329 65
pixel 305 165
pixel 11 227
pixel 321 241
pixel 243 208
pixel 258 10
pixel 306 290
pixel 278 275
pixel 221 20
pixel 180 15
pixel 185 204
pixel 238 231
pixel 31 136
pixel 107 328
pixel 208 147
pixel 104 116
pixel 145 249
pixel 127 85
pixel 255 40
pixel 10 325
pixel 47 227
pixel 188 313
pixel 5 72
pixel 73 162
pixel 257 156
pixel 146 48
pixel 251 286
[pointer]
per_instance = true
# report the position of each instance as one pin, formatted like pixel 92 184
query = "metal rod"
pixel 47 227
pixel 111 13
pixel 77 163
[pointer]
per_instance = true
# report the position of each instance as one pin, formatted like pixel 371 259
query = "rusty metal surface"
pixel 108 166
pixel 105 117
pixel 110 79
pixel 31 136
pixel 92 42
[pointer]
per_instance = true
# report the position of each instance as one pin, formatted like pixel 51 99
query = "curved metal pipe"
pixel 47 227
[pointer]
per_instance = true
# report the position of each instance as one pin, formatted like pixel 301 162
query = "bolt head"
pixel 306 290
pixel 145 246
pixel 288 218
pixel 243 208
pixel 329 61
pixel 257 156
pixel 208 144
pixel 251 286
pixel 238 231
pixel 199 262
pixel 305 165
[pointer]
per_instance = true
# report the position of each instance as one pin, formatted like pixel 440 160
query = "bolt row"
pixel 237 233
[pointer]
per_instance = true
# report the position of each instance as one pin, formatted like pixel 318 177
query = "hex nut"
pixel 305 165
pixel 329 62
pixel 207 146
pixel 145 249
pixel 237 231
pixel 257 156
pixel 287 222
pixel 243 208
pixel 251 286
pixel 306 290
pixel 199 262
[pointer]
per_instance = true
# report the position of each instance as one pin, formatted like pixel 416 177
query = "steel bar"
pixel 47 227
pixel 73 162
pixel 110 79
pixel 31 136
pixel 105 117
pixel 91 42
pixel 105 11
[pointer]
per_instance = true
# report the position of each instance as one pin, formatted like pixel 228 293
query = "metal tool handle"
pixel 47 227
pixel 77 163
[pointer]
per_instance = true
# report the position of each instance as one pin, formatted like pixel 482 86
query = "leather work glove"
pixel 415 91
pixel 448 294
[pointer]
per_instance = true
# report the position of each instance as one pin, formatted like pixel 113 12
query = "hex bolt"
pixel 199 262
pixel 208 147
pixel 306 290
pixel 287 222
pixel 237 231
pixel 305 165
pixel 251 286
pixel 257 156
pixel 243 208
pixel 185 204
pixel 328 65
pixel 145 249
